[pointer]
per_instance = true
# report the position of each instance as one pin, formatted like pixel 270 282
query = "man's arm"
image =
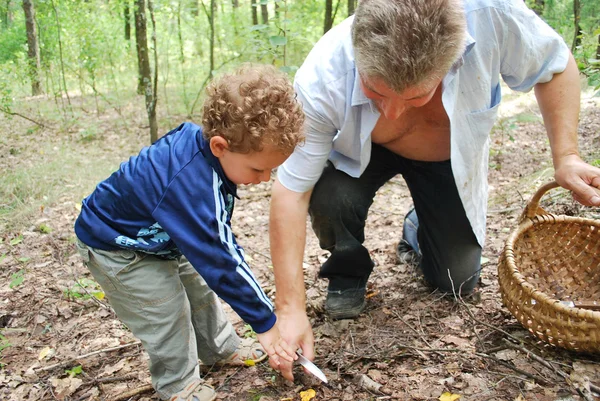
pixel 287 230
pixel 559 103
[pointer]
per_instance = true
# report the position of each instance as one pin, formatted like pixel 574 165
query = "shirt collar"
pixel 213 161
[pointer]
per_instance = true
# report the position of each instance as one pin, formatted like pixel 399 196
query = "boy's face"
pixel 246 168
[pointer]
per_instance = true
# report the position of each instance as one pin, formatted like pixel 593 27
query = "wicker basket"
pixel 548 259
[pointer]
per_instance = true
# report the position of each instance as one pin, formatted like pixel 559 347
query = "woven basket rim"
pixel 539 296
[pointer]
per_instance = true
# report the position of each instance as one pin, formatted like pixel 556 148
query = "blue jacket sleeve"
pixel 193 212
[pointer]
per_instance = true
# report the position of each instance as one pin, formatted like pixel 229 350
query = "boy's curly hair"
pixel 254 106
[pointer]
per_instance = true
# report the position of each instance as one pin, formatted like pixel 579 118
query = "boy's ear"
pixel 218 145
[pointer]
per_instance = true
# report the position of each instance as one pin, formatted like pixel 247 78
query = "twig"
pixel 550 366
pixel 128 394
pixel 508 365
pixel 13 113
pixel 68 361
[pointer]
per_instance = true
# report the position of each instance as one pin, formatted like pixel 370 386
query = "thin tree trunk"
pixel 211 22
pixel 264 13
pixel 576 20
pixel 182 58
pixel 6 17
pixel 328 21
pixel 60 54
pixel 154 97
pixel 538 7
pixel 330 14
pixel 598 49
pixel 33 49
pixel 141 39
pixel 351 7
pixel 235 3
pixel 254 12
pixel 127 18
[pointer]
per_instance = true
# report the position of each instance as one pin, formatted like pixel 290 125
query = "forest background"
pixel 60 60
pixel 86 84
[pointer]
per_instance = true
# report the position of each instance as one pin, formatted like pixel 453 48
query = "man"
pixel 412 87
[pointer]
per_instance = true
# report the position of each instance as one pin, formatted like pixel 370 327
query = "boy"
pixel 148 230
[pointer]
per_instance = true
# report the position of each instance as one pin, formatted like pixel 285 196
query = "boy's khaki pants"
pixel 169 307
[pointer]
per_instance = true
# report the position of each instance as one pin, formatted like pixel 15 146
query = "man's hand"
pixel 582 179
pixel 276 347
pixel 296 333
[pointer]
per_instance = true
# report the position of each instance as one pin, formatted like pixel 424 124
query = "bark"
pixel 538 7
pixel 351 7
pixel 598 49
pixel 127 18
pixel 576 20
pixel 328 22
pixel 33 49
pixel 264 13
pixel 145 79
pixel 254 12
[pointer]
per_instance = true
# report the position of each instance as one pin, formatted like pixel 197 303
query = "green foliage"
pixel 4 343
pixel 84 289
pixel 16 279
pixel 74 371
pixel 248 332
pixel 44 229
pixel 13 41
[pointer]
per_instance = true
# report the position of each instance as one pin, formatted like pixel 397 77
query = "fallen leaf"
pixel 249 362
pixel 46 353
pixel 308 394
pixel 449 397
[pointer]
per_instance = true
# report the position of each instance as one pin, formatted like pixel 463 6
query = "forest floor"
pixel 59 342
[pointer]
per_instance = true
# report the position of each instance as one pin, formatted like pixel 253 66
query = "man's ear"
pixel 218 145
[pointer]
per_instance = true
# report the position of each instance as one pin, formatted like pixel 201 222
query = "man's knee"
pixel 454 275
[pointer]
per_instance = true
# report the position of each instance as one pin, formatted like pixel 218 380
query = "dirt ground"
pixel 59 342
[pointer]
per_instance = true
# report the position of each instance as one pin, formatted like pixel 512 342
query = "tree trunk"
pixel 598 49
pixel 264 13
pixel 254 12
pixel 328 22
pixel 127 17
pixel 33 50
pixel 576 19
pixel 145 79
pixel 235 3
pixel 6 14
pixel 538 7
pixel 351 7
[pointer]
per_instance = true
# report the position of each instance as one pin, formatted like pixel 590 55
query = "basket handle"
pixel 533 207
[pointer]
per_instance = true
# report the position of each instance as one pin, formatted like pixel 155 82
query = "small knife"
pixel 311 367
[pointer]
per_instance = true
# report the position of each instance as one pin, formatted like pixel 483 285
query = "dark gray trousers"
pixel 339 206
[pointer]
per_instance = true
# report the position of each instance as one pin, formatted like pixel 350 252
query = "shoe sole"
pixel 348 313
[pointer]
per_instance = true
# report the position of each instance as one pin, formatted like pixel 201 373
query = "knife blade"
pixel 311 367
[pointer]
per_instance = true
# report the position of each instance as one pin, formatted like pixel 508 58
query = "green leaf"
pixel 17 240
pixel 24 259
pixel 278 40
pixel 16 279
pixel 77 370
pixel 259 27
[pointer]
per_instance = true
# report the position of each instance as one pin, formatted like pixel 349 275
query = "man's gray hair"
pixel 407 42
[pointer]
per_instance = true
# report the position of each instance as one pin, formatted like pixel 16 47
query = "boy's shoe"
pixel 406 254
pixel 249 353
pixel 197 390
pixel 346 302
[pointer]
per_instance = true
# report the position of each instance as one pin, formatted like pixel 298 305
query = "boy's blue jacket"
pixel 172 199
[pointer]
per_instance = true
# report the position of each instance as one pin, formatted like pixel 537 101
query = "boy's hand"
pixel 276 347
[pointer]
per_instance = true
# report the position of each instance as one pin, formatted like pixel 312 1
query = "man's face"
pixel 392 104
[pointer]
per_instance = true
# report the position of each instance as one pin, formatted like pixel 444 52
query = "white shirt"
pixel 504 38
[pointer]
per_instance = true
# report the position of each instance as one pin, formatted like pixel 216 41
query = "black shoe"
pixel 346 303
pixel 406 254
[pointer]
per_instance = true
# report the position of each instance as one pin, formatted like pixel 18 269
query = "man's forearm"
pixel 559 101
pixel 287 231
